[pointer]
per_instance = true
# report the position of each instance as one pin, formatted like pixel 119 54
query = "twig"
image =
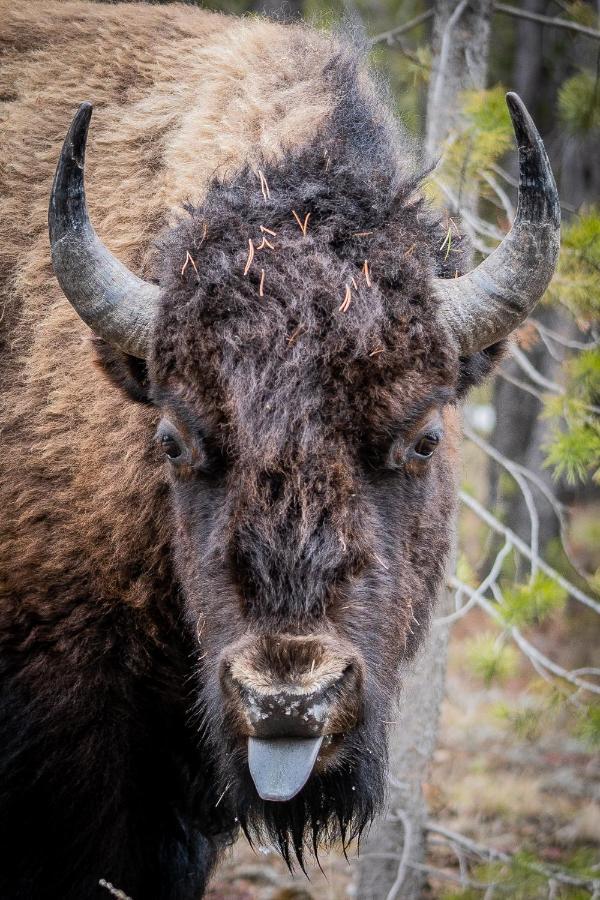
pixel 557 507
pixel 389 36
pixel 524 488
pixel 524 549
pixel 520 384
pixel 568 207
pixel 394 891
pixel 553 21
pixel 501 194
pixel 532 653
pixel 490 853
pixel 485 584
pixel 537 377
pixel 559 339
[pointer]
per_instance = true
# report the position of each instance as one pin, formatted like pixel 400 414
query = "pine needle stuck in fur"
pixel 303 225
pixel 264 186
pixel 250 256
pixel 367 273
pixel 188 260
pixel 261 292
pixel 346 301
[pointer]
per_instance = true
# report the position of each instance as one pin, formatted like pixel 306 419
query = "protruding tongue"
pixel 280 767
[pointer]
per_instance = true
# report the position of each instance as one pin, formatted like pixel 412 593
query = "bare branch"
pixel 568 207
pixel 521 384
pixel 524 364
pixel 528 649
pixel 388 37
pixel 559 339
pixel 501 194
pixel 476 594
pixel 524 549
pixel 559 510
pixel 394 891
pixel 490 853
pixel 553 21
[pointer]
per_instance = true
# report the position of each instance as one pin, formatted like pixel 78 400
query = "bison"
pixel 228 479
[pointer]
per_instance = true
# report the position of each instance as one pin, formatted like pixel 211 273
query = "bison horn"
pixel 488 303
pixel 114 302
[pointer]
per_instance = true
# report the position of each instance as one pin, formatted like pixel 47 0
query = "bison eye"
pixel 426 445
pixel 171 446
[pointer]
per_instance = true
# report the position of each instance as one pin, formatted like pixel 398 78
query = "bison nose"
pixel 288 714
pixel 286 703
pixel 306 707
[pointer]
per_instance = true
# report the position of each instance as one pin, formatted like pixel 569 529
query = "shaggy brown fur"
pixel 297 384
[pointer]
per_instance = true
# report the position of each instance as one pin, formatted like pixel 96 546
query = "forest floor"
pixel 535 789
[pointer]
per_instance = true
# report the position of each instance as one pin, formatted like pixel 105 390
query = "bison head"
pixel 305 344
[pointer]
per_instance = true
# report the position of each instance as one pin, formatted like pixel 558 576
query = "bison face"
pixel 312 490
pixel 305 345
pixel 309 560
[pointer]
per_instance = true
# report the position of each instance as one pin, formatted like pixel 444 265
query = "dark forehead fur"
pixel 249 357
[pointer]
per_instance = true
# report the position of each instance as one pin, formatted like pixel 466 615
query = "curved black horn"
pixel 114 302
pixel 488 303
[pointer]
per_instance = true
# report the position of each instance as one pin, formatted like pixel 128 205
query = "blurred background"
pixel 503 798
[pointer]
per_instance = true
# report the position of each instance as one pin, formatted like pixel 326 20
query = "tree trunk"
pixel 388 857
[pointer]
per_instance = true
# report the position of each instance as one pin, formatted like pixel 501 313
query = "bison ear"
pixel 126 372
pixel 474 369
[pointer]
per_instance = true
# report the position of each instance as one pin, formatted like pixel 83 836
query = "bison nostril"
pixel 308 707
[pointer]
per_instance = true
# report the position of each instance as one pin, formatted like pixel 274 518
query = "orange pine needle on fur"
pixel 294 334
pixel 265 243
pixel 261 292
pixel 361 233
pixel 303 225
pixel 264 186
pixel 376 351
pixel 367 274
pixel 268 231
pixel 188 260
pixel 346 301
pixel 250 256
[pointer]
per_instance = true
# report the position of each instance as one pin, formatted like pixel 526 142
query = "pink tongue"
pixel 280 767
